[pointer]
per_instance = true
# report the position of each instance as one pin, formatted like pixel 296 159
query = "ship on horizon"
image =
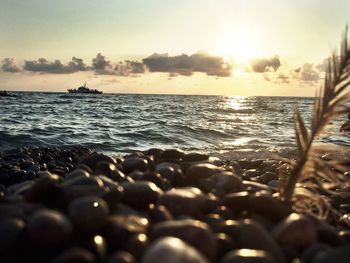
pixel 85 89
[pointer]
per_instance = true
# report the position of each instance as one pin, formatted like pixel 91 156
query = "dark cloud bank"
pixel 185 65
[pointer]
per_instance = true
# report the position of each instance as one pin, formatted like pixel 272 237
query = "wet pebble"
pixel 172 250
pixel 88 213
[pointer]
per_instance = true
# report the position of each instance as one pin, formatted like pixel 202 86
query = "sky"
pixel 209 47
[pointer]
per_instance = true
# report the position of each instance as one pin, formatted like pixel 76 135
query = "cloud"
pixel 187 65
pixel 283 78
pixel 262 65
pixel 307 73
pixel 10 65
pixel 44 66
pixel 128 68
pixel 102 65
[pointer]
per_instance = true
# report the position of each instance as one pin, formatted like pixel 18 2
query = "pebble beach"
pixel 72 204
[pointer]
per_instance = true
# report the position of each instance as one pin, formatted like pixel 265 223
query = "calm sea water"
pixel 118 123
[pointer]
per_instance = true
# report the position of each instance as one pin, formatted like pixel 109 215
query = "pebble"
pixel 135 163
pixel 140 194
pixel 88 213
pixel 172 250
pixel 72 205
pixel 296 231
pixel 247 256
pixel 184 201
pixel 193 232
pixel 48 228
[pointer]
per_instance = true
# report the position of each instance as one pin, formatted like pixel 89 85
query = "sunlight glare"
pixel 240 48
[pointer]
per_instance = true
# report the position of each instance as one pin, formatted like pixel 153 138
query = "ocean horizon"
pixel 123 123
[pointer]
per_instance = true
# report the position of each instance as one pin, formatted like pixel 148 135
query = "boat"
pixel 85 89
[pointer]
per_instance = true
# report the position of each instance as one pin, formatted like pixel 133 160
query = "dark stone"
pixel 158 213
pixel 135 163
pixel 95 244
pixel 121 257
pixel 201 171
pixel 48 228
pixel 174 249
pixel 110 170
pixel 120 228
pixel 247 256
pixel 11 232
pixel 140 194
pixel 185 201
pixel 225 244
pixel 172 154
pixel 137 245
pixel 339 254
pixel 93 159
pixel 75 255
pixel 45 191
pixel 89 213
pixel 296 231
pixel 195 157
pixel 193 232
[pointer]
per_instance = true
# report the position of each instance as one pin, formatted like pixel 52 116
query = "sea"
pixel 122 123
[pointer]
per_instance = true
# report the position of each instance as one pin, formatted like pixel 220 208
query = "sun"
pixel 240 48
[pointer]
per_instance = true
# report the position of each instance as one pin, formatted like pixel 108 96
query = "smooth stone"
pixel 251 173
pixel 135 163
pixel 200 171
pixel 237 202
pixel 110 170
pixel 224 212
pixel 178 178
pixel 339 255
pixel 158 213
pixel 184 201
pixel 172 250
pixel 195 157
pixel 213 220
pixel 48 228
pixel 83 180
pixel 45 191
pixel 311 252
pixel 267 177
pixel 76 173
pixel 226 182
pixel 268 206
pixel 93 159
pixel 172 154
pixel 225 244
pixel 88 213
pixel 95 244
pixel 250 234
pixel 247 256
pixel 193 232
pixel 70 193
pixel 155 152
pixel 75 255
pixel 296 231
pixel 112 196
pixel 11 231
pixel 140 194
pixel 328 235
pixel 137 244
pixel 120 228
pixel 167 173
pixel 121 257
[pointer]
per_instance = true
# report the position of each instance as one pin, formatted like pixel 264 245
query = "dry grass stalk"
pixel 309 173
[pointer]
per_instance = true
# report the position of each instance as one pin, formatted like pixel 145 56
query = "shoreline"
pixel 215 209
